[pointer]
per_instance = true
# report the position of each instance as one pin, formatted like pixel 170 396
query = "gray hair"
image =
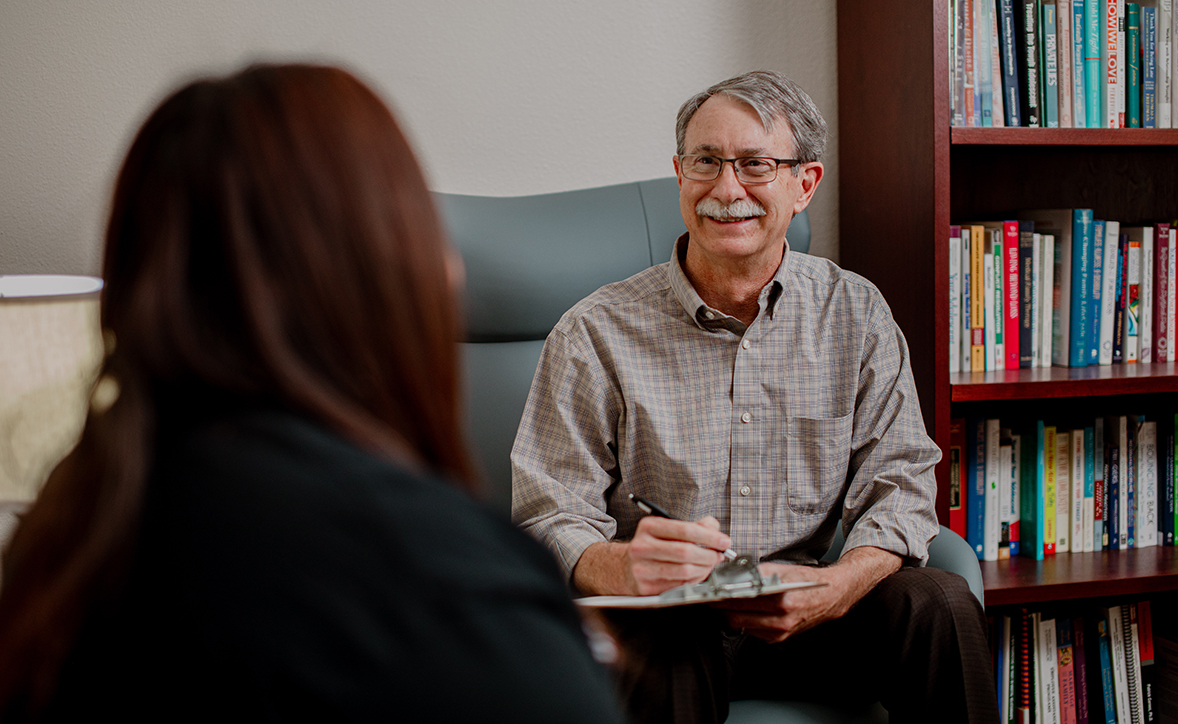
pixel 774 97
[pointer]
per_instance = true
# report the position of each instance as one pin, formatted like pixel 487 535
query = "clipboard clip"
pixel 738 578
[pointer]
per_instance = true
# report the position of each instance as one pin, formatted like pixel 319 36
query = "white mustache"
pixel 735 211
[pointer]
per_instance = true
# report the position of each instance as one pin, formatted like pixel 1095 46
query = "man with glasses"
pixel 762 397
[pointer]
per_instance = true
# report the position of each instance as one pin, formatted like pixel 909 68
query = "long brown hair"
pixel 271 237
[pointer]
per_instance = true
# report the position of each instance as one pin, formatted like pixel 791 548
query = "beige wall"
pixel 577 94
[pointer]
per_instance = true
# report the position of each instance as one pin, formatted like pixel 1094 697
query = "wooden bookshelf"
pixel 905 175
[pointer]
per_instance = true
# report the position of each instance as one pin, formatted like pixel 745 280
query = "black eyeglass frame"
pixel 779 162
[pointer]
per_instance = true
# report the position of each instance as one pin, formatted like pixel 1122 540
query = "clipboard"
pixel 739 578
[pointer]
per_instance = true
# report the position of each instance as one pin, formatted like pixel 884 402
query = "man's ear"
pixel 678 176
pixel 810 175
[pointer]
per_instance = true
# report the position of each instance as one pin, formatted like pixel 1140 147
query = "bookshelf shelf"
pixel 1021 580
pixel 1056 382
pixel 905 176
pixel 1063 136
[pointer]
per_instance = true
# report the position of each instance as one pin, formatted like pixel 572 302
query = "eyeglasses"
pixel 749 169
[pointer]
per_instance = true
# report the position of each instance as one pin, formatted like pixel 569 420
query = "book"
pixel 1088 514
pixel 1027 265
pixel 1110 282
pixel 1108 692
pixel 954 299
pixel 1110 64
pixel 1011 333
pixel 1049 292
pixel 983 68
pixel 1049 481
pixel 1115 431
pixel 1147 485
pixel 1029 82
pixel 978 298
pixel 1100 475
pixel 1016 446
pixel 1133 65
pixel 1032 507
pixel 1161 293
pixel 1004 665
pixel 1080 656
pixel 1095 300
pixel 1117 644
pixel 1145 332
pixel 998 293
pixel 990 313
pixel 1063 487
pixel 1009 44
pixel 991 519
pixel 1171 290
pixel 1049 57
pixel 1168 509
pixel 1093 68
pixel 966 301
pixel 1063 50
pixel 1132 327
pixel 1119 312
pixel 1079 286
pixel 1149 79
pixel 975 499
pixel 1148 674
pixel 1047 657
pixel 1025 667
pixel 998 117
pixel 968 55
pixel 1131 636
pixel 1128 521
pixel 1165 50
pixel 1076 494
pixel 1005 458
pixel 1065 665
pixel 1079 97
pixel 957 476
pixel 956 63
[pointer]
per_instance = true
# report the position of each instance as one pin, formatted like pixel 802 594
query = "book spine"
pixel 1061 296
pixel 1133 301
pixel 1133 65
pixel 1049 59
pixel 998 292
pixel 1165 74
pixel 1049 452
pixel 990 313
pixel 1122 65
pixel 1049 653
pixel 1169 510
pixel 1122 291
pixel 1090 475
pixel 983 79
pixel 1122 509
pixel 1026 255
pixel 1063 490
pixel 1029 76
pixel 975 502
pixel 1079 96
pixel 1031 473
pixel 1076 501
pixel 1149 59
pixel 1161 276
pixel 1093 77
pixel 1110 285
pixel 1080 657
pixel 1016 447
pixel 1064 45
pixel 1111 58
pixel 978 298
pixel 1025 676
pixel 1129 489
pixel 992 520
pixel 957 463
pixel 1097 291
pixel 1081 283
pixel 1065 664
pixel 966 301
pixel 1047 290
pixel 1008 39
pixel 1130 635
pixel 1148 677
pixel 954 299
pixel 1005 456
pixel 1116 633
pixel 1107 677
pixel 998 115
pixel 1113 487
pixel 1100 476
pixel 1011 336
pixel 1145 333
pixel 967 14
pixel 1147 489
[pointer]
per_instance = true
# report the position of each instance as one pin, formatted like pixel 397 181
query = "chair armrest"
pixel 949 552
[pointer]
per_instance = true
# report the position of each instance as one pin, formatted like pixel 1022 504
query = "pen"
pixel 651 509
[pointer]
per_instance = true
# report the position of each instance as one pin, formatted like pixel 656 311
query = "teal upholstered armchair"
pixel 530 258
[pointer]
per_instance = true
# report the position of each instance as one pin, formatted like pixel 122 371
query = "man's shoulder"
pixel 630 297
pixel 823 271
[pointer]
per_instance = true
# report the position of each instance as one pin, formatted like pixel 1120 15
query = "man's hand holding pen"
pixel 666 552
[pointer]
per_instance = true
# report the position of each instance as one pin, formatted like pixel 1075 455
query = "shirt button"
pixel 745 343
pixel 710 315
pixel 745 490
pixel 746 417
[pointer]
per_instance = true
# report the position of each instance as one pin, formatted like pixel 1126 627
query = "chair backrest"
pixel 528 259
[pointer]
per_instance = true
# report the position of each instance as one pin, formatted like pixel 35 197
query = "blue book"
pixel 1096 291
pixel 1049 63
pixel 1093 78
pixel 1079 119
pixel 1149 71
pixel 1104 645
pixel 1032 506
pixel 975 501
pixel 1008 45
pixel 1080 345
pixel 1089 471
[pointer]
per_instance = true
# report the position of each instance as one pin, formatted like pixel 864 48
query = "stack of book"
pixel 1062 63
pixel 1113 664
pixel 1060 287
pixel 1038 490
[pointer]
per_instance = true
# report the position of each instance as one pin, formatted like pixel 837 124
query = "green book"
pixel 1032 510
pixel 1133 68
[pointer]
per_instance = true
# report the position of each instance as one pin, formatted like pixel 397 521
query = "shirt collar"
pixel 708 318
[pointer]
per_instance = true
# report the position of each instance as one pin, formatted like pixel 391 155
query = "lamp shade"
pixel 50 353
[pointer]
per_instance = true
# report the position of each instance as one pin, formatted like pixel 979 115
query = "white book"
pixel 1145 300
pixel 1049 654
pixel 988 290
pixel 1164 69
pixel 1063 52
pixel 1063 489
pixel 992 521
pixel 1133 664
pixel 1147 485
pixel 1171 286
pixel 955 303
pixel 1036 298
pixel 1116 636
pixel 998 103
pixel 1060 221
pixel 1077 498
pixel 1131 341
pixel 1108 295
pixel 966 287
pixel 1047 301
pixel 1088 535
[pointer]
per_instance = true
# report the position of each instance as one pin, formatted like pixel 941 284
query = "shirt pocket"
pixel 818 451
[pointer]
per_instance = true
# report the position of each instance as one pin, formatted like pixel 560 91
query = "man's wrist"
pixel 604 570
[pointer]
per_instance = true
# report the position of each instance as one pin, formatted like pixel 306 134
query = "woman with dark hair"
pixel 262 519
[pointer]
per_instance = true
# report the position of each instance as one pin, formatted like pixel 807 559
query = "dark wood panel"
pixel 1065 136
pixel 1021 580
pixel 1131 184
pixel 1056 382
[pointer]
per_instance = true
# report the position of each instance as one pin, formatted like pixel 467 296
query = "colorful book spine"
pixel 1026 680
pixel 1147 484
pixel 1064 45
pixel 1133 65
pixel 1016 447
pixel 1149 74
pixel 1067 670
pixel 1093 75
pixel 978 298
pixel 1049 452
pixel 1026 316
pixel 1011 335
pixel 1129 490
pixel 957 465
pixel 966 300
pixel 1165 69
pixel 1100 475
pixel 1110 57
pixel 1079 96
pixel 1122 291
pixel 1113 485
pixel 966 6
pixel 1063 490
pixel 983 77
pixel 1081 283
pixel 1169 509
pixel 1008 42
pixel 1161 271
pixel 1133 299
pixel 1107 688
pixel 1029 69
pixel 992 520
pixel 1110 285
pixel 1116 634
pixel 1088 535
pixel 975 500
pixel 1049 62
pixel 997 115
pixel 1031 503
pixel 1148 677
pixel 1076 498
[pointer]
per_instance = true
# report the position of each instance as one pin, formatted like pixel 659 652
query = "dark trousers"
pixel 916 643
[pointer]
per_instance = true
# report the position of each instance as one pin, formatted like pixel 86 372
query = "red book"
pixel 1161 285
pixel 957 519
pixel 1011 331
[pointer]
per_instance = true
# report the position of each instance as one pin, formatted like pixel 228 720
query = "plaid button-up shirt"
pixel 781 429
